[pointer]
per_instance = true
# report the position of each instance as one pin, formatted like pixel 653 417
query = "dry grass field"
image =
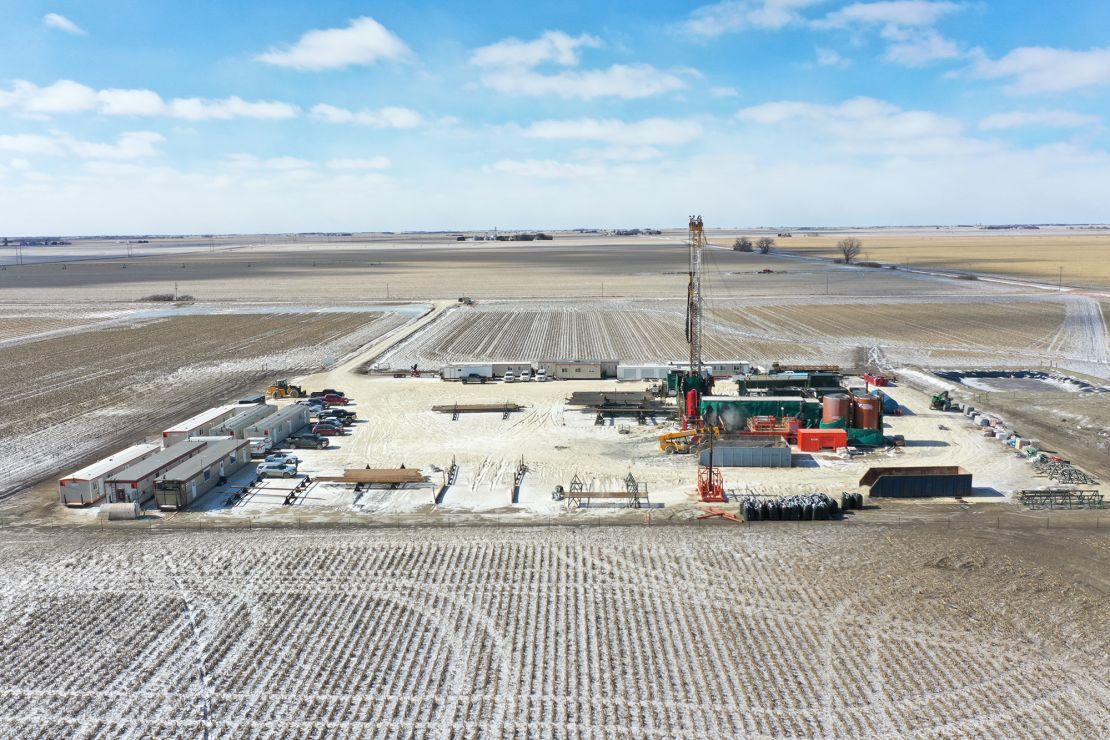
pixel 716 631
pixel 72 398
pixel 1085 257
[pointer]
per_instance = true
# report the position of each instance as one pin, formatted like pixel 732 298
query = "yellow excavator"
pixel 686 441
pixel 284 389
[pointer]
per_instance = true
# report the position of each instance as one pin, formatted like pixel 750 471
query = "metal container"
pixel 835 407
pixel 865 412
pixel 983 421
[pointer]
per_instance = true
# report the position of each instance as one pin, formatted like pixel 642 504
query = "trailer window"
pixel 207 474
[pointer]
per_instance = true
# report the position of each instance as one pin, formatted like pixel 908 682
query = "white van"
pixel 525 376
pixel 260 446
pixel 509 377
pixel 541 375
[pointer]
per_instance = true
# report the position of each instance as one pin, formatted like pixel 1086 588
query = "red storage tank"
pixel 692 403
pixel 836 406
pixel 865 412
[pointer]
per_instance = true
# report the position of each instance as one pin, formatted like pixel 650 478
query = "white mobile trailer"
pixel 201 424
pixel 249 416
pixel 87 485
pixel 279 425
pixel 135 483
pixel 458 371
pixel 643 372
pixel 181 486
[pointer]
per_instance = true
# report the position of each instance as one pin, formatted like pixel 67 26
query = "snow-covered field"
pixel 711 631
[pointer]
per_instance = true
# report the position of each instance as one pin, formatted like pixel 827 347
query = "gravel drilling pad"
pixel 707 631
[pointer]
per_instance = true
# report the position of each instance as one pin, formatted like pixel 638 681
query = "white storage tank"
pixel 119 511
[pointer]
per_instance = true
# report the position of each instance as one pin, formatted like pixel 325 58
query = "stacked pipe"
pixel 808 507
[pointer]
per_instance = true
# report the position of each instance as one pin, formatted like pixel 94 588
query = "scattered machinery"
pixel 941 402
pixel 687 440
pixel 285 389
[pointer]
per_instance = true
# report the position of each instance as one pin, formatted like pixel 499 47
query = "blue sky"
pixel 140 117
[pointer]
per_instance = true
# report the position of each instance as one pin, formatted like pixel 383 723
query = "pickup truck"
pixel 309 441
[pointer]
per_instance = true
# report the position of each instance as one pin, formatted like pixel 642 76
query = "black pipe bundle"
pixel 808 507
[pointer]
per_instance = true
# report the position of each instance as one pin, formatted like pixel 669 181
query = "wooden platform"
pixel 376 476
pixel 477 408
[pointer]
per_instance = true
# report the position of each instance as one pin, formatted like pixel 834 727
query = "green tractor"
pixel 942 402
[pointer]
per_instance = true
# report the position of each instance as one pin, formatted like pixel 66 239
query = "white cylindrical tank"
pixel 119 512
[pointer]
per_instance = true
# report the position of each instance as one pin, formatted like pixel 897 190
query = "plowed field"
pixel 832 631
pixel 74 397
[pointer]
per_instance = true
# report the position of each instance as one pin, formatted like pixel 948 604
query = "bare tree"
pixel 849 248
pixel 743 244
pixel 764 244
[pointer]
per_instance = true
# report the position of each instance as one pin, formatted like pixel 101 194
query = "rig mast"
pixel 693 295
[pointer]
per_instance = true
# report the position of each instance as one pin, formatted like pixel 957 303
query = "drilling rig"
pixel 694 384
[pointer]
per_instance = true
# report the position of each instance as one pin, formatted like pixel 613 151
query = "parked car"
pixel 341 413
pixel 509 377
pixel 541 375
pixel 333 399
pixel 474 378
pixel 260 446
pixel 314 403
pixel 525 376
pixel 339 421
pixel 275 470
pixel 326 392
pixel 286 458
pixel 328 430
pixel 308 441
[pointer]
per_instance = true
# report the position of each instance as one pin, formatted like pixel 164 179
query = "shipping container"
pixel 643 372
pixel 87 485
pixel 750 452
pixel 917 481
pixel 202 423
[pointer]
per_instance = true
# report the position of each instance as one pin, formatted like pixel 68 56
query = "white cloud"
pixel 67 96
pixel 903 13
pixel 128 145
pixel 371 163
pixel 867 126
pixel 916 48
pixel 363 42
pixel 511 64
pixel 906 26
pixel 278 164
pixel 735 15
pixel 831 58
pixel 552 46
pixel 627 81
pixel 544 168
pixel 389 117
pixel 64 96
pixel 650 131
pixel 200 109
pixel 116 102
pixel 30 144
pixel 60 22
pixel 1035 69
pixel 1037 119
pixel 723 91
